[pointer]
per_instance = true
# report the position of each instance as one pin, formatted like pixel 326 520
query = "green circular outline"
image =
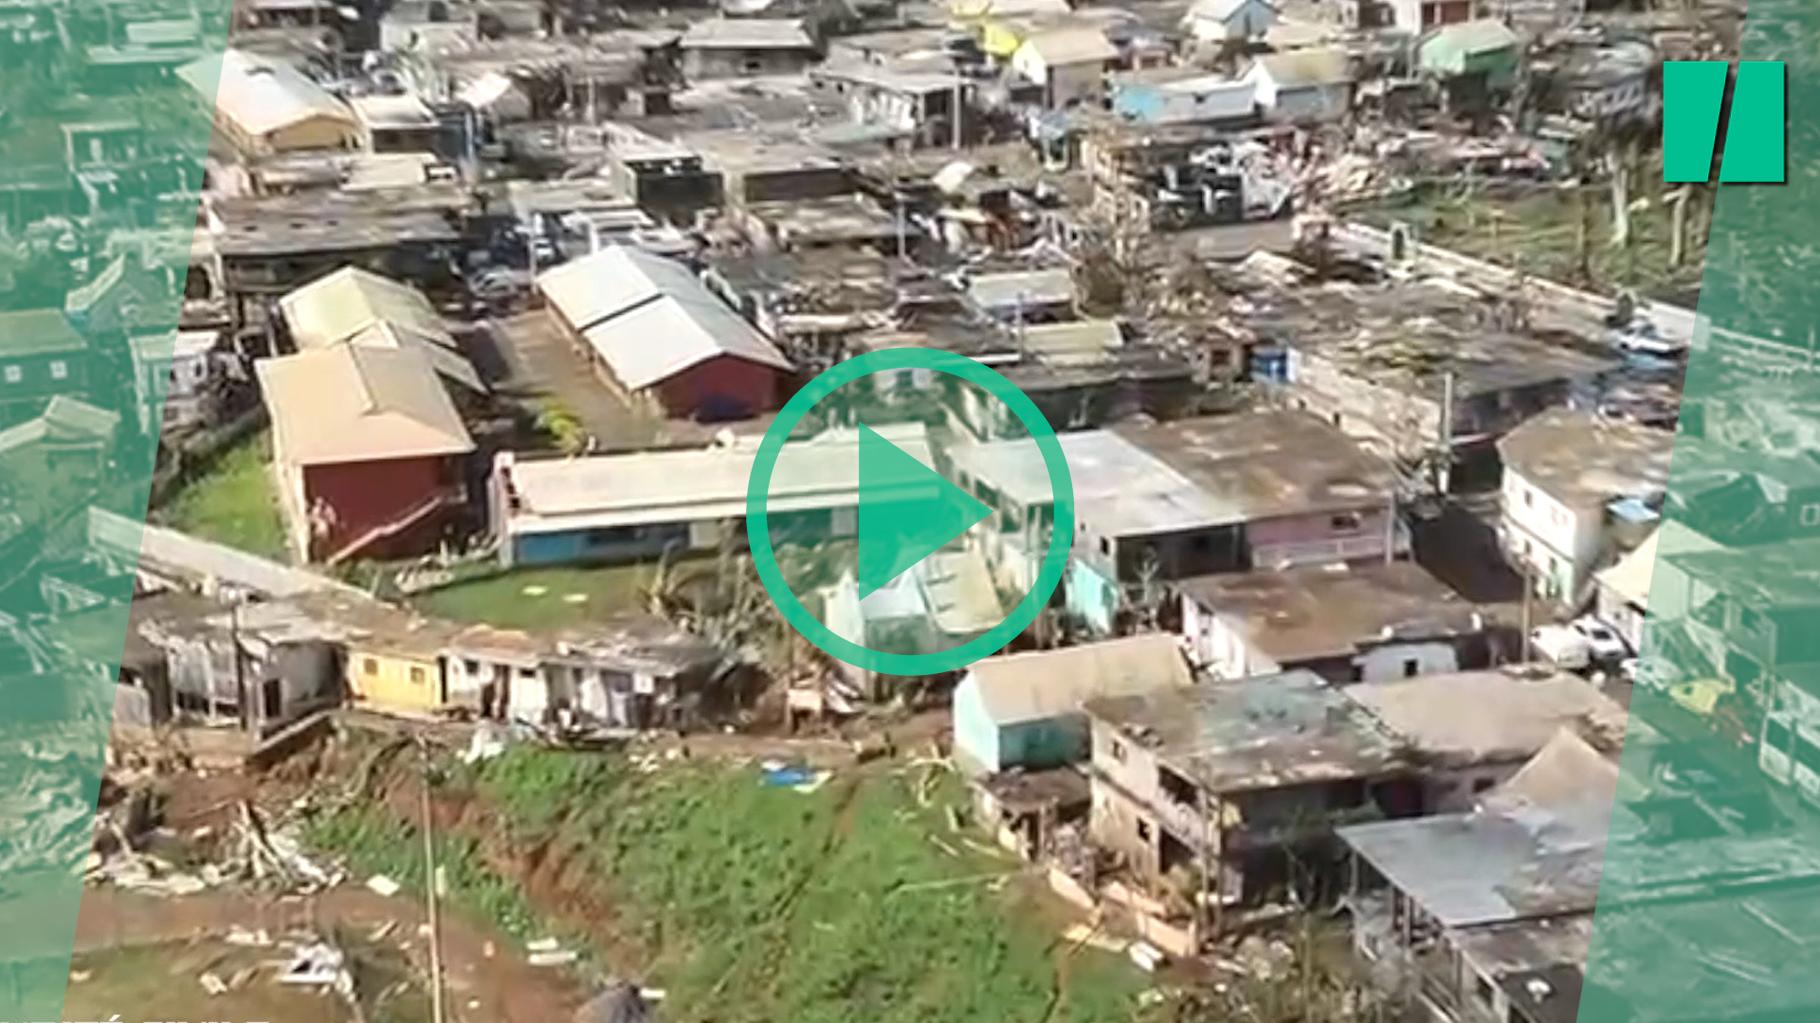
pixel 764 557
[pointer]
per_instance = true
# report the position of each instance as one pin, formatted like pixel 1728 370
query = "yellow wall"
pixel 386 681
pixel 1001 38
pixel 319 132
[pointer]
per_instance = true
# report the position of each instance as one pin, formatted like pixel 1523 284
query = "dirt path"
pixel 487 978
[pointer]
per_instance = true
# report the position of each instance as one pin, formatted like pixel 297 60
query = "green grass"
pixel 1541 229
pixel 762 904
pixel 373 842
pixel 233 502
pixel 532 598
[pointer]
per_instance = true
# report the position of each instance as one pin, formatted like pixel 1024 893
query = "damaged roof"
pixel 1267 463
pixel 1042 684
pixel 748 34
pixel 1492 716
pixel 1316 612
pixel 1256 733
pixel 1582 459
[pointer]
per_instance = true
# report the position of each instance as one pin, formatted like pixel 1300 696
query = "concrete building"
pixel 1297 86
pixel 42 355
pixel 1369 623
pixel 1418 16
pixel 267 107
pixel 1188 498
pixel 1023 711
pixel 1578 491
pixel 1474 730
pixel 747 47
pixel 174 379
pixel 1218 789
pixel 713 364
pixel 1069 63
pixel 640 505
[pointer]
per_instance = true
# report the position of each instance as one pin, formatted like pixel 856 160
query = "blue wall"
pixel 975 734
pixel 599 545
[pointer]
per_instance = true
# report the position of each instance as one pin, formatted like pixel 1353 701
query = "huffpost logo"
pixel 1693 102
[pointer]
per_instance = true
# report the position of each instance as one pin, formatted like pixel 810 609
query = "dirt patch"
pixel 487 979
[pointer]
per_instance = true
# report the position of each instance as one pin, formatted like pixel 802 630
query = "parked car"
pixel 1649 672
pixel 1641 337
pixel 1603 641
pixel 1562 645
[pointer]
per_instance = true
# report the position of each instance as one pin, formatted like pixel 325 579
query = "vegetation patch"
pixel 854 901
pixel 233 502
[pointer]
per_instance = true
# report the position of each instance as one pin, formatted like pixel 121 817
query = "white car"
pixel 1642 338
pixel 1603 643
pixel 1565 647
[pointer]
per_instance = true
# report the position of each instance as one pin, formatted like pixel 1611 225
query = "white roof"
pixel 261 96
pixel 697 484
pixel 1075 44
pixel 748 34
pixel 405 111
pixel 648 317
pixel 355 306
pixel 1045 684
pixel 1119 487
pixel 1032 287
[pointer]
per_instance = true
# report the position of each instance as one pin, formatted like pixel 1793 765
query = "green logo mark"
pixel 907 511
pixel 1693 97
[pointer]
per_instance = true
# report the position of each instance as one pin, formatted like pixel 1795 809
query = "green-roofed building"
pixel 41 356
pixel 1483 48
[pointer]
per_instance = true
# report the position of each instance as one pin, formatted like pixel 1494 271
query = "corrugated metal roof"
pixel 352 403
pixel 261 96
pixel 355 306
pixel 1045 684
pixel 556 495
pixel 748 34
pixel 648 317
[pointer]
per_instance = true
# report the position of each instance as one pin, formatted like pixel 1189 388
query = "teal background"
pixel 93 241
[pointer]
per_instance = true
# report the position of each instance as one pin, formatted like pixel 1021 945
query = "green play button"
pixel 871 554
pixel 907 511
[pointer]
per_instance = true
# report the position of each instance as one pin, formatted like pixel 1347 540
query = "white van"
pixel 1563 645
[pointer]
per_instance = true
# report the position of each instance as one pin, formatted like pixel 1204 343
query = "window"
pixel 417 676
pixel 1411 667
pixel 471 667
pixel 1346 522
pixel 60 370
pixel 1143 831
pixel 14 374
pixel 1810 515
pixel 1529 499
pixel 1118 751
pixel 1775 735
pixel 1105 547
pixel 369 666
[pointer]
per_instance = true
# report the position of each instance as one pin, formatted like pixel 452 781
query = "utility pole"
pixel 1528 587
pixel 431 910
